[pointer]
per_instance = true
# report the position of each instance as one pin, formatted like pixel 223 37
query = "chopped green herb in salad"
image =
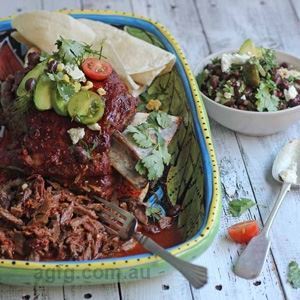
pixel 251 79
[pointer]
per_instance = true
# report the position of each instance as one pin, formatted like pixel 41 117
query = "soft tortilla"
pixel 137 62
pixel 141 60
pixel 42 29
pixel 111 55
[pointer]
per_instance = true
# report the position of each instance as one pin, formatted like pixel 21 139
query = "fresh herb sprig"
pixel 73 52
pixel 155 212
pixel 148 136
pixel 238 206
pixel 65 89
pixel 294 274
pixel 268 60
pixel 265 100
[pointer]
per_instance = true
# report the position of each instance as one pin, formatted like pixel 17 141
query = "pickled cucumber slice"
pixel 249 48
pixel 251 75
pixel 86 107
pixel 59 104
pixel 35 73
pixel 43 93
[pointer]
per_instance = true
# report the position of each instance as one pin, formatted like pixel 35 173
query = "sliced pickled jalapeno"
pixel 251 75
pixel 86 107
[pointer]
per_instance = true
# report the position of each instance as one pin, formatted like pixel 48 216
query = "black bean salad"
pixel 251 79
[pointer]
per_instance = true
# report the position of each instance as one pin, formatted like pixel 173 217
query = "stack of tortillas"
pixel 137 62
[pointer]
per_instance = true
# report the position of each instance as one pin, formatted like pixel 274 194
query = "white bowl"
pixel 251 122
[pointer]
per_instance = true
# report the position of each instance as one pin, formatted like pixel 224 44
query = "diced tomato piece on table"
pixel 243 232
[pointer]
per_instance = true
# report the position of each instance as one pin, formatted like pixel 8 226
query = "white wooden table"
pixel 201 27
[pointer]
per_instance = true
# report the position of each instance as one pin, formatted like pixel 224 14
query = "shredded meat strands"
pixel 41 221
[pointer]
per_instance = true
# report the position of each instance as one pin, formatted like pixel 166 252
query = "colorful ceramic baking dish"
pixel 192 179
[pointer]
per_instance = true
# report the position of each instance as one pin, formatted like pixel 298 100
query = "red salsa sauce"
pixel 166 238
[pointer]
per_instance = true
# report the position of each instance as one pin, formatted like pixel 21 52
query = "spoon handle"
pixel 251 261
pixel 284 189
pixel 196 275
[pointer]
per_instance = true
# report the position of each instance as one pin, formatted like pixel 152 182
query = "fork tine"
pixel 114 207
pixel 109 221
pixel 114 215
pixel 110 230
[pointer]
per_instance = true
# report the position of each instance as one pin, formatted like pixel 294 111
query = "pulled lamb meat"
pixel 43 221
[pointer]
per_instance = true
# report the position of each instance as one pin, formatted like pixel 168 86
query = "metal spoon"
pixel 251 261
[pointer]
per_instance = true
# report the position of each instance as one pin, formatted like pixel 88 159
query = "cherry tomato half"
pixel 96 69
pixel 243 232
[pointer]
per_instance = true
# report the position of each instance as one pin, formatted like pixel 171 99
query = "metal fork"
pixel 122 223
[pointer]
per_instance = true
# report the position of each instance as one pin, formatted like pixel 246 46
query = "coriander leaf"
pixel 154 165
pixel 65 90
pixel 147 135
pixel 156 212
pixel 152 121
pixel 268 60
pixel 139 167
pixel 159 119
pixel 294 275
pixel 142 138
pixel 70 51
pixel 163 149
pixel 163 119
pixel 238 206
pixel 270 83
pixel 266 101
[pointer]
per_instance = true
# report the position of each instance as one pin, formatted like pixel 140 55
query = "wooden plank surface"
pixel 61 4
pixel 286 227
pixel 201 26
pixel 235 184
pixel 13 7
pixel 270 23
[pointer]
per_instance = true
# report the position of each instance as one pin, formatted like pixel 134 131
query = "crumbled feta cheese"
pixel 243 97
pixel 24 186
pixel 228 59
pixel 286 73
pixel 227 95
pixel 95 127
pixel 76 134
pixel 75 72
pixel 101 91
pixel 2 129
pixel 291 93
pixel 290 174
